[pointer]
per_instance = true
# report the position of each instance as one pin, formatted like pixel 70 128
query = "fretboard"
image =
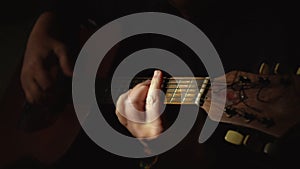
pixel 186 90
pixel 178 90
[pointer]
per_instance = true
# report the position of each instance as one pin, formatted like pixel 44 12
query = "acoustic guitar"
pixel 266 103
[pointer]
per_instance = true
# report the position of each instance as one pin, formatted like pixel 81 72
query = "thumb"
pixel 64 59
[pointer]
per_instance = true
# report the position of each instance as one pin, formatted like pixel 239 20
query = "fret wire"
pixel 174 92
pixel 177 99
pixel 187 91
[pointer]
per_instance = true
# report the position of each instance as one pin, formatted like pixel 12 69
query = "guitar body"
pixel 41 136
pixel 44 146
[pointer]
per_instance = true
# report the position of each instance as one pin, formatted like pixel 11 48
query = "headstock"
pixel 268 103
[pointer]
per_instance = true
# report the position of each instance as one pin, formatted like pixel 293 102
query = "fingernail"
pixel 156 73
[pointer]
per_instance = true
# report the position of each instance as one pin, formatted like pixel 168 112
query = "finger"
pixel 131 104
pixel 144 83
pixel 155 82
pixel 120 107
pixel 33 92
pixel 153 100
pixel 138 94
pixel 64 59
pixel 43 78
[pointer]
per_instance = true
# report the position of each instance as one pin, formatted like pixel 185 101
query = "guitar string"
pixel 179 99
pixel 184 90
pixel 176 94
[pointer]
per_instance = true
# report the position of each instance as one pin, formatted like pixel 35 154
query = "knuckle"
pixel 141 87
pixel 150 100
pixel 123 97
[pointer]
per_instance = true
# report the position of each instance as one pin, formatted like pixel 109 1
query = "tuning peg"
pixel 234 137
pixel 276 68
pixel 269 147
pixel 298 71
pixel 281 69
pixel 264 69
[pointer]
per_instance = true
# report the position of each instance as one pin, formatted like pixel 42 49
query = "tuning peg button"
pixel 276 68
pixel 282 69
pixel 234 137
pixel 298 71
pixel 264 69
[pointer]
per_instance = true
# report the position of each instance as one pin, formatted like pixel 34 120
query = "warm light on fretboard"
pixel 185 90
pixel 178 90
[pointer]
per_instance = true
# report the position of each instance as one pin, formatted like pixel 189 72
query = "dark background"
pixel 17 18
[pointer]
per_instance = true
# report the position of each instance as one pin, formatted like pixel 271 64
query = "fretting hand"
pixel 140 108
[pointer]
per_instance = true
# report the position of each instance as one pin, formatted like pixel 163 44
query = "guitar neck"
pixel 184 90
pixel 268 103
pixel 178 90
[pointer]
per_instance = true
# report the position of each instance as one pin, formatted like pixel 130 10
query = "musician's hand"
pixel 140 108
pixel 44 57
